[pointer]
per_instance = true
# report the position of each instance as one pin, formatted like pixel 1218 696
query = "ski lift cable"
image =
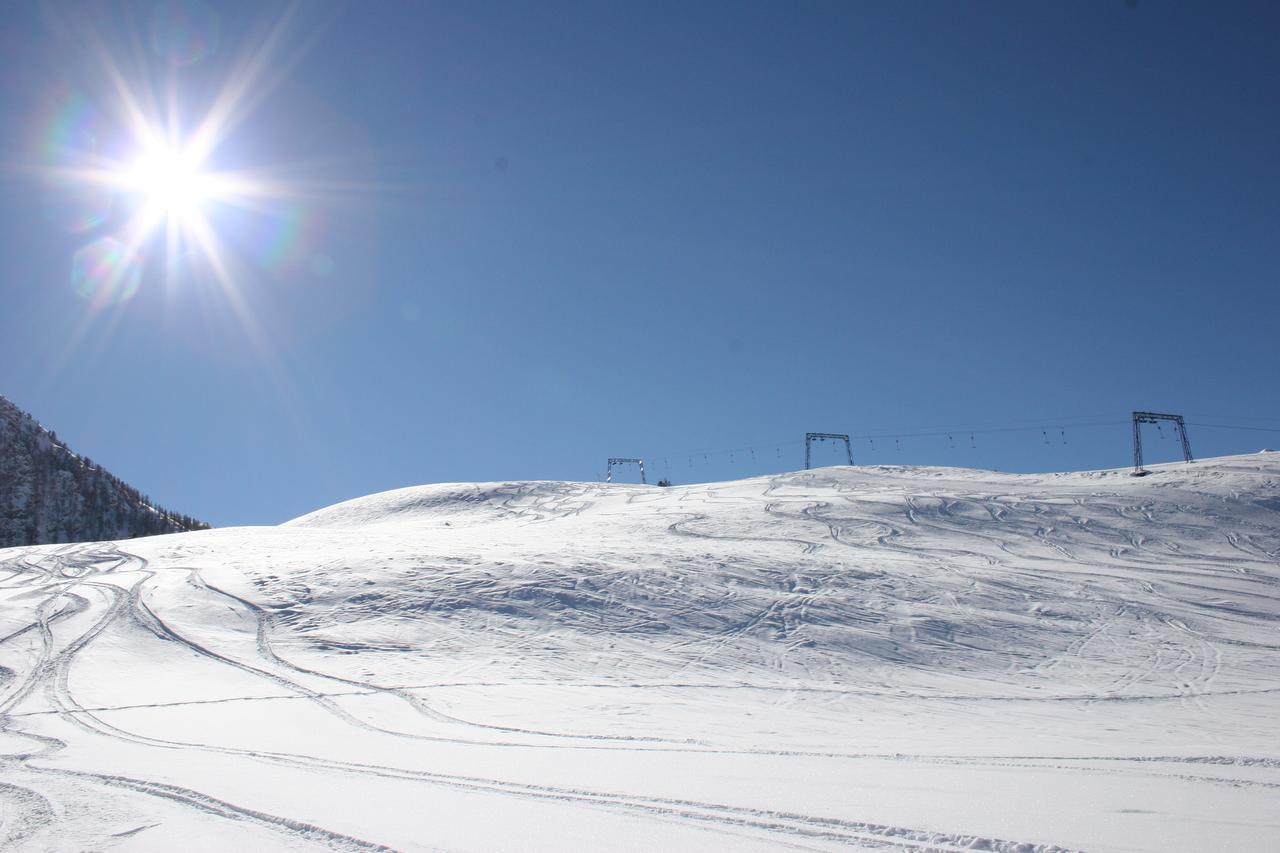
pixel 989 430
pixel 1076 421
pixel 778 444
pixel 1228 426
pixel 1273 420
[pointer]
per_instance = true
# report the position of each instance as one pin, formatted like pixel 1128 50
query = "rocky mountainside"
pixel 48 494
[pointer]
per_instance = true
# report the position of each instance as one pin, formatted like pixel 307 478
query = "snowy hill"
pixel 843 658
pixel 49 494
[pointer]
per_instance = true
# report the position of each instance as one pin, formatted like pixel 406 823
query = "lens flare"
pixel 75 206
pixel 184 32
pixel 69 128
pixel 70 148
pixel 277 236
pixel 106 272
pixel 144 159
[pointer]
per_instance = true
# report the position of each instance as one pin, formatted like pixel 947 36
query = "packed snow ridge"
pixel 859 657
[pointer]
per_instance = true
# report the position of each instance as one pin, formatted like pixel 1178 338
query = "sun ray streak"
pixel 198 228
pixel 213 234
pixel 243 92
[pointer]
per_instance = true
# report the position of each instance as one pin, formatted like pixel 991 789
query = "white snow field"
pixel 865 657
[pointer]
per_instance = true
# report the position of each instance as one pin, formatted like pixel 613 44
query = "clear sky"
pixel 506 241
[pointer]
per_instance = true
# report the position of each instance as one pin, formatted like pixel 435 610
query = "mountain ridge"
pixel 51 495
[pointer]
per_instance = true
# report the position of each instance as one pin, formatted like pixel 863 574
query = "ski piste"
pixel 852 657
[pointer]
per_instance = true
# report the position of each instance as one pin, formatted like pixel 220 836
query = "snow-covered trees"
pixel 49 494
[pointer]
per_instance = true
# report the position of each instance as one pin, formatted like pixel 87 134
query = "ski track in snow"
pixel 843 658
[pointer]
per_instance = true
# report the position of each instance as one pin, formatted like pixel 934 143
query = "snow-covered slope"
pixel 849 657
pixel 49 494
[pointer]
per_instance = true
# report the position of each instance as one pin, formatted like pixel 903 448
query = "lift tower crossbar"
pixel 811 437
pixel 1140 418
pixel 608 477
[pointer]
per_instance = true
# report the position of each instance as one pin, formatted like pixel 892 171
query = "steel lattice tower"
pixel 811 437
pixel 1140 418
pixel 608 477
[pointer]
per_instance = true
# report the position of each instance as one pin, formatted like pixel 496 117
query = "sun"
pixel 139 166
pixel 170 182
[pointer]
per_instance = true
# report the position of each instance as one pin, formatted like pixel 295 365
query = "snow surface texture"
pixel 862 657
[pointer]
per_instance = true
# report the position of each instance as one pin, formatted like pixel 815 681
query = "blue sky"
pixel 526 237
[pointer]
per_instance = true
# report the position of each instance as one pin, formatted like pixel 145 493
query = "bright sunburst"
pixel 142 184
pixel 175 187
pixel 172 188
pixel 170 181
